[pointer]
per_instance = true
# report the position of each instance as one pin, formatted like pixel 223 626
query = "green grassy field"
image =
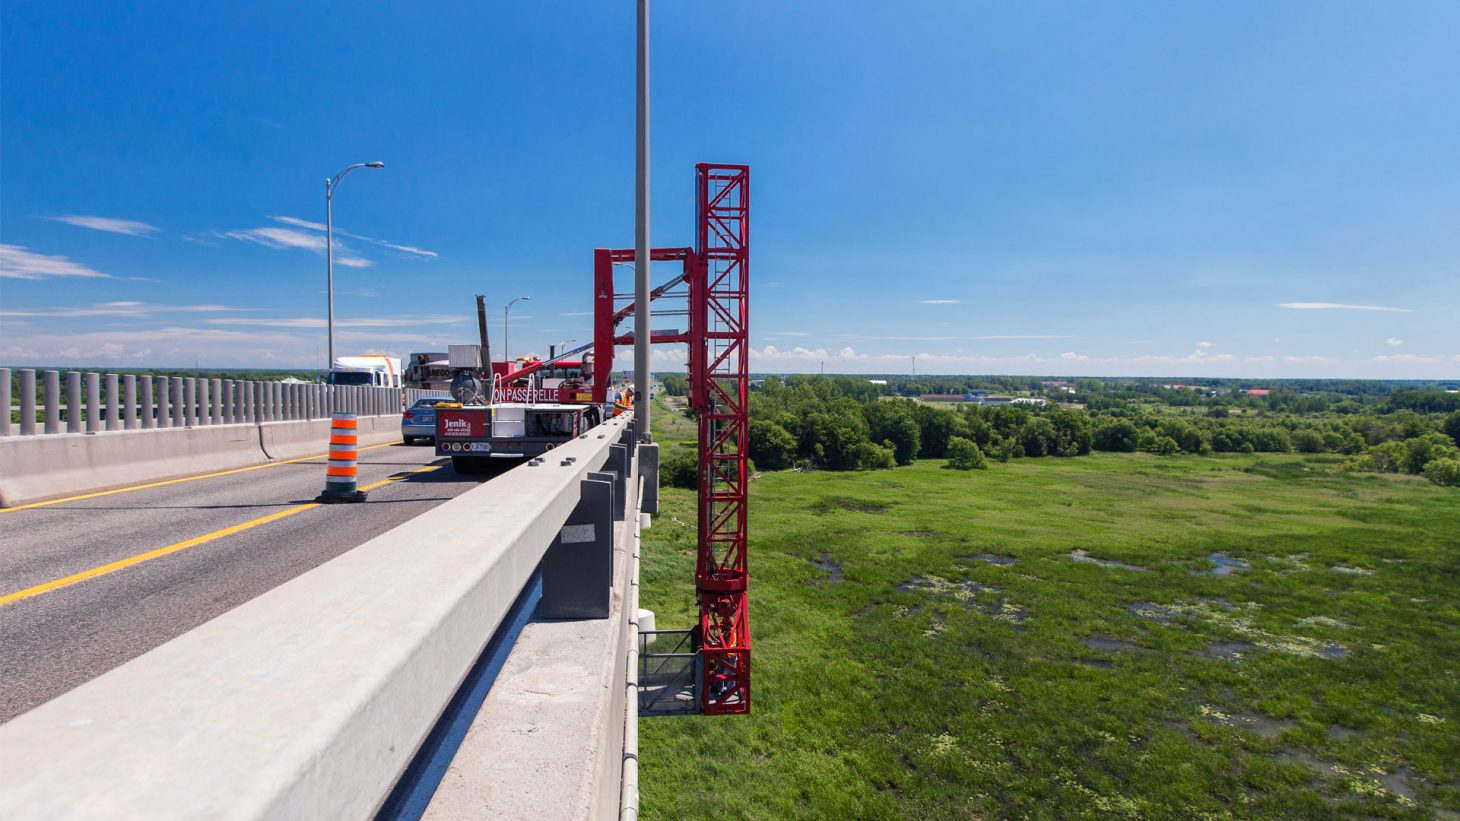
pixel 940 644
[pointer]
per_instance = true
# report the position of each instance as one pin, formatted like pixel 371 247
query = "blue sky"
pixel 1219 188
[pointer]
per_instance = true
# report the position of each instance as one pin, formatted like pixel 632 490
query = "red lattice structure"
pixel 719 383
pixel 715 286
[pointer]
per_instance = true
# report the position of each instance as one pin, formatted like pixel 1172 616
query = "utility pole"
pixel 641 234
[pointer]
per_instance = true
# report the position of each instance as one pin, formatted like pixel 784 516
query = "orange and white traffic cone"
pixel 340 475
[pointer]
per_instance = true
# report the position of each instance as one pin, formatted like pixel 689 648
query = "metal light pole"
pixel 506 357
pixel 560 347
pixel 641 235
pixel 329 251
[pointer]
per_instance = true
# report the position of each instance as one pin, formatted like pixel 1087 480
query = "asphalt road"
pixel 87 584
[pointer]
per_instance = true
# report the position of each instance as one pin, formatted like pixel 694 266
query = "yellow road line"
pixel 184 545
pixel 175 481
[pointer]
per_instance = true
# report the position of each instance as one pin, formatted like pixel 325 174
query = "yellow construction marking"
pixel 174 548
pixel 176 481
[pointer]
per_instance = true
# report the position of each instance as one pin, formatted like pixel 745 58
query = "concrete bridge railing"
pixel 78 403
pixel 142 429
pixel 313 700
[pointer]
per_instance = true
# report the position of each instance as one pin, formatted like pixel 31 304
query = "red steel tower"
pixel 719 376
pixel 716 272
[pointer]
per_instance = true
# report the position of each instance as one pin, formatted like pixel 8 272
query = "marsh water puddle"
pixel 1106 644
pixel 1240 620
pixel 1259 725
pixel 1225 565
pixel 1351 571
pixel 829 567
pixel 1083 557
pixel 1400 782
pixel 990 558
pixel 1291 564
pixel 963 590
pixel 967 592
pixel 1228 650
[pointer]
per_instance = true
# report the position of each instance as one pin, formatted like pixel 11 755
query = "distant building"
pixel 940 397
pixel 878 381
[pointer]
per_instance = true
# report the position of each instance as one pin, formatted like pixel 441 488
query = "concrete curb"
pixel 34 468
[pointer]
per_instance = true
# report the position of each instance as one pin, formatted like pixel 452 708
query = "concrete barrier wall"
pixel 309 700
pixel 38 467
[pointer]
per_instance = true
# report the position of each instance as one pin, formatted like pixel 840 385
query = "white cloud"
pixel 295 221
pixel 131 228
pixel 119 308
pixel 1338 306
pixel 354 322
pixel 1410 358
pixel 790 333
pixel 315 226
pixel 941 301
pixel 1393 343
pixel 18 262
pixel 577 313
pixel 1204 344
pixel 285 238
pixel 861 337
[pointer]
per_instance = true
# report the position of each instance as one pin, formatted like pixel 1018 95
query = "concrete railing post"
pixel 230 401
pixel 216 411
pixel 149 409
pixel 94 421
pixel 179 403
pixel 198 408
pixel 205 401
pixel 164 402
pixel 5 394
pixel 129 402
pixel 190 390
pixel 51 392
pixel 577 571
pixel 27 402
pixel 113 402
pixel 75 403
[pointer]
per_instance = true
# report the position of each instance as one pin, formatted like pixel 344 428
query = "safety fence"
pixel 76 402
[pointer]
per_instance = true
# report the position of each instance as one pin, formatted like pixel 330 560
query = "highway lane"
pixel 87 584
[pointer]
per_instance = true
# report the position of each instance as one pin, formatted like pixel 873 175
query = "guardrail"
pixel 310 700
pixel 79 404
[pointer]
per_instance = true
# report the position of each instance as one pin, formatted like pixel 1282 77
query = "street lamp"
pixel 561 347
pixel 329 249
pixel 506 356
